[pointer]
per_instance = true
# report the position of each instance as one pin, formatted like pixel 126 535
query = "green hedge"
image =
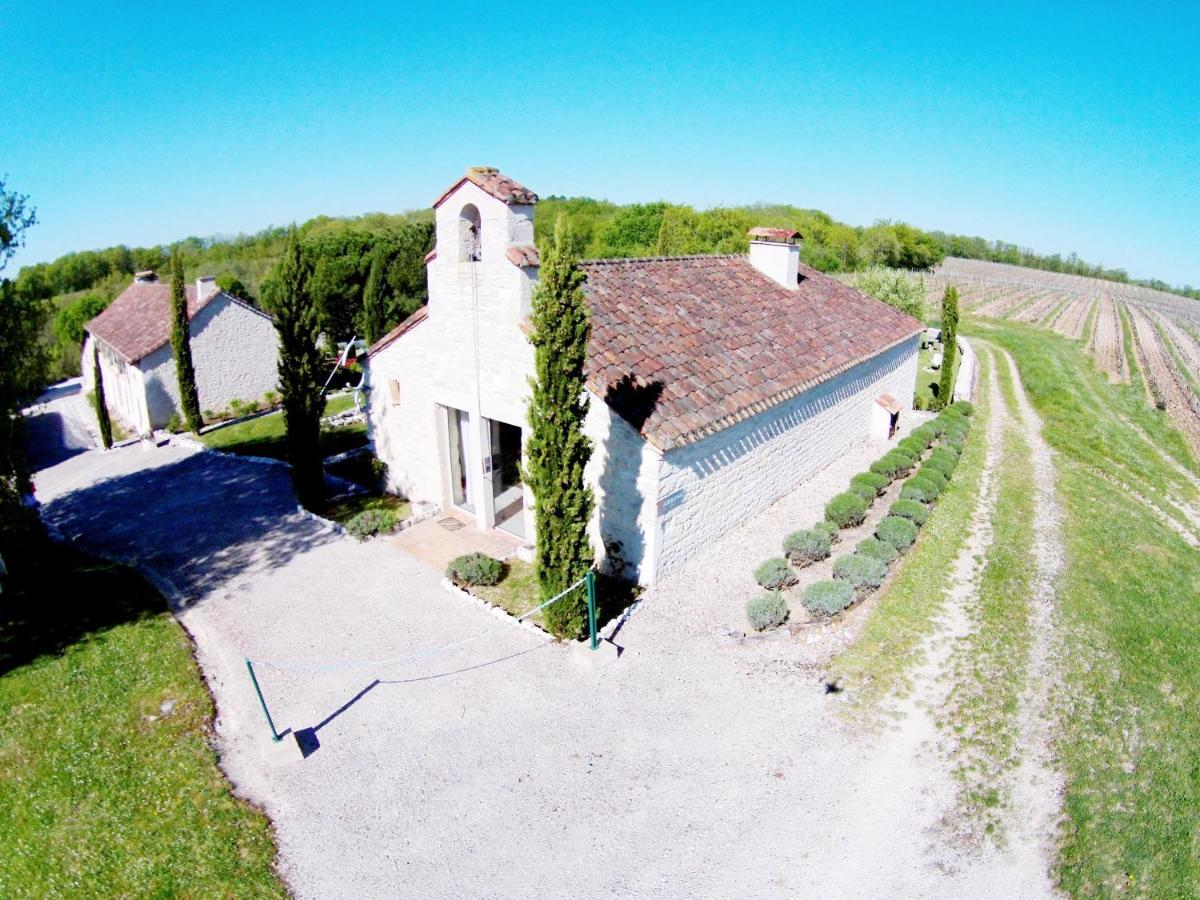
pixel 828 597
pixel 806 546
pixel 865 572
pixel 910 509
pixel 897 531
pixel 846 510
pixel 869 485
pixel 880 550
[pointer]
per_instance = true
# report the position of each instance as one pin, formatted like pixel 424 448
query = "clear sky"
pixel 1058 126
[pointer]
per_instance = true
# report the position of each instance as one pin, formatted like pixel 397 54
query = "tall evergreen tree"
pixel 181 347
pixel 949 344
pixel 298 322
pixel 557 450
pixel 98 399
pixel 374 319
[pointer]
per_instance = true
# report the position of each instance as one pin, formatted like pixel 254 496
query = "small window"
pixel 394 388
pixel 470 244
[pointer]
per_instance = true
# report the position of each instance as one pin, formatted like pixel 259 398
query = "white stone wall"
pixel 964 380
pixel 708 487
pixel 623 473
pixel 235 352
pixel 469 354
pixel 124 385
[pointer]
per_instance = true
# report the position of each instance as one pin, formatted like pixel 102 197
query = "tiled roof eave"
pixel 761 406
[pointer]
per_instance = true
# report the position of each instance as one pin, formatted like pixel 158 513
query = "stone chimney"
pixel 146 276
pixel 776 253
pixel 205 285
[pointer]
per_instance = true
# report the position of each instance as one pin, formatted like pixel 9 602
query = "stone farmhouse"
pixel 717 384
pixel 235 351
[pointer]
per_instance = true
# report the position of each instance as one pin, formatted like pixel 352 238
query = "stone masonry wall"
pixel 708 487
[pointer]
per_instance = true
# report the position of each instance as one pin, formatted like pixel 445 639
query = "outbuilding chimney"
pixel 146 276
pixel 776 253
pixel 205 285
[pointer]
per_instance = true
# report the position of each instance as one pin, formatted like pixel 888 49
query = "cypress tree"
pixel 296 318
pixel 181 347
pixel 557 450
pixel 98 399
pixel 374 305
pixel 949 344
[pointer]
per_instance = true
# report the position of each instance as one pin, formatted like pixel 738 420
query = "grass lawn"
pixel 1129 701
pixel 518 592
pixel 347 509
pixel 265 435
pixel 108 785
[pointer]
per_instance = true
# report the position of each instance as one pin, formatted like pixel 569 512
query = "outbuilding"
pixel 717 384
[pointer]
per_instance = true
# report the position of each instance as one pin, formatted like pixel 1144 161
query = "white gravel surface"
pixel 504 767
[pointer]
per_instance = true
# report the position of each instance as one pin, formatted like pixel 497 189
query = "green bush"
pixel 869 485
pixel 897 531
pixel 916 512
pixel 829 529
pixel 931 473
pixel 930 489
pixel 876 548
pixel 966 407
pixel 926 434
pixel 912 491
pixel 865 572
pixel 846 510
pixel 946 452
pixel 956 441
pixel 775 574
pixel 175 424
pixel 807 546
pixel 937 426
pixel 475 569
pixel 828 597
pixel 887 466
pixel 941 464
pixel 913 446
pixel 766 611
pixel 371 522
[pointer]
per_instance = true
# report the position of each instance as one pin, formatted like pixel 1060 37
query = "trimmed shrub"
pixel 946 452
pixel 912 491
pixel 887 466
pixel 956 441
pixel 475 569
pixel 937 426
pixel 829 529
pixel 766 611
pixel 926 433
pixel 931 490
pixel 371 522
pixel 876 481
pixel 846 510
pixel 880 550
pixel 966 407
pixel 931 473
pixel 806 547
pixel 864 572
pixel 897 531
pixel 828 597
pixel 913 446
pixel 775 574
pixel 942 464
pixel 915 512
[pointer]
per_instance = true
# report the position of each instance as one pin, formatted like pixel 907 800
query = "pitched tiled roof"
pixel 411 322
pixel 685 347
pixel 138 322
pixel 499 186
pixel 522 255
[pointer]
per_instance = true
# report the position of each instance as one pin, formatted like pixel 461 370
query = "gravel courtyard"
pixel 503 766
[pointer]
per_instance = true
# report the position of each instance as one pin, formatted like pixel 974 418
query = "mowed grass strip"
pixel 108 785
pixel 1129 701
pixel 990 665
pixel 878 665
pixel 267 436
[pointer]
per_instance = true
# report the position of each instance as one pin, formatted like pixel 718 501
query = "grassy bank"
pixel 1129 700
pixel 108 785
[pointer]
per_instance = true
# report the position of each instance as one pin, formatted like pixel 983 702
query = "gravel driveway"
pixel 505 767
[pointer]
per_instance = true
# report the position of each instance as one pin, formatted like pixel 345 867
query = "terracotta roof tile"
pixel 411 322
pixel 499 186
pixel 684 347
pixel 523 255
pixel 138 322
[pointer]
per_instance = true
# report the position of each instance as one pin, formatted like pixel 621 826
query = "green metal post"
pixel 591 595
pixel 275 736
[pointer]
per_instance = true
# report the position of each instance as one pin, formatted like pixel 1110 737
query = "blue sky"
pixel 1059 126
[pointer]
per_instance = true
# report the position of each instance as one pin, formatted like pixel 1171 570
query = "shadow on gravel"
pixel 200 521
pixel 50 440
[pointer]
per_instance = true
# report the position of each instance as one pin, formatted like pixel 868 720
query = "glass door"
pixel 457 425
pixel 507 492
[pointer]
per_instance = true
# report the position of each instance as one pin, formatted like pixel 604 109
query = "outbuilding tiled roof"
pixel 421 314
pixel 138 322
pixel 499 186
pixel 523 255
pixel 685 347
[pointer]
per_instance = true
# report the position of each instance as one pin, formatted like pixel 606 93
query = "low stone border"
pixel 497 611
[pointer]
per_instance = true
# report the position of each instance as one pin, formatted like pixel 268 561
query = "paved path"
pixel 504 767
